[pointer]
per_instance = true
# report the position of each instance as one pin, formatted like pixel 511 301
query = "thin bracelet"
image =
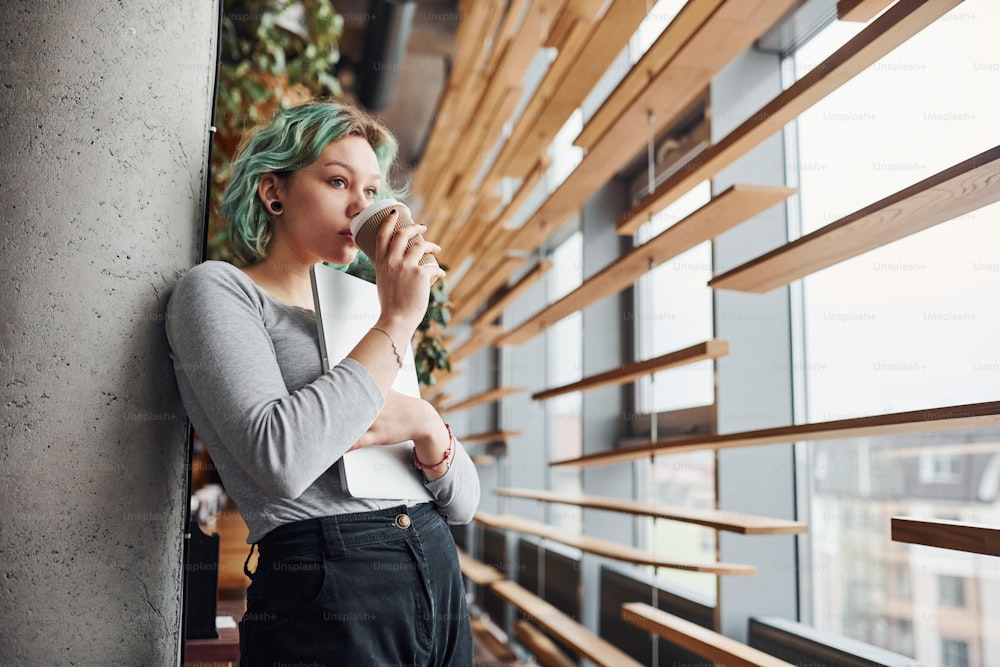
pixel 399 359
pixel 447 453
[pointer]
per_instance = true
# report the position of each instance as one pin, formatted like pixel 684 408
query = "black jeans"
pixel 374 588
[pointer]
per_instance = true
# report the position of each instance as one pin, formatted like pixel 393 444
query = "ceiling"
pixel 422 74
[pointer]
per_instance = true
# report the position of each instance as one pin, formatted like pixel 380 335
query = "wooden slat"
pixel 586 10
pixel 478 339
pixel 439 400
pixel 477 571
pixel 528 185
pixel 587 53
pixel 605 548
pixel 890 30
pixel 512 19
pixel 860 11
pixel 489 436
pixel 954 535
pixel 483 459
pixel 543 648
pixel 952 418
pixel 440 380
pixel 469 156
pixel 487 638
pixel 483 279
pixel 712 349
pixel 505 70
pixel 733 206
pixel 733 522
pixel 471 239
pixel 684 25
pixel 730 30
pixel 697 639
pixel 562 627
pixel 490 396
pixel 475 35
pixel 944 196
pixel 466 301
pixel 512 293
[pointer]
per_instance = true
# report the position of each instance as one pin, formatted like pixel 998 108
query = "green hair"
pixel 291 141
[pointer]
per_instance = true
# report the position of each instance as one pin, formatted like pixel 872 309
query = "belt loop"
pixel 246 563
pixel 333 543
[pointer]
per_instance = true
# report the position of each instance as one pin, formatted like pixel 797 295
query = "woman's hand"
pixel 402 418
pixel 403 284
pixel 407 418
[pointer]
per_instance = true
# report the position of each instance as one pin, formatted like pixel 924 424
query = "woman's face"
pixel 320 200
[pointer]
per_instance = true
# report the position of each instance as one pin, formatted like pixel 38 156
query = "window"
pixel 951 591
pixel 954 653
pixel 940 468
pixel 673 311
pixel 905 327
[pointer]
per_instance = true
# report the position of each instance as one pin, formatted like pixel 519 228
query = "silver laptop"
pixel 346 308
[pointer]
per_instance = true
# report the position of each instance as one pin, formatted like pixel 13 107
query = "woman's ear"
pixel 270 190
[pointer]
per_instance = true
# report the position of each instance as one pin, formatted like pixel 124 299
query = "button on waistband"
pixel 402 521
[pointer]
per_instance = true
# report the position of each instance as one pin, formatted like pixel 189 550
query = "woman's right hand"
pixel 403 284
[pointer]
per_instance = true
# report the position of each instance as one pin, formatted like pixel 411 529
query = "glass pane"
pixel 564 355
pixel 674 311
pixel 909 326
pixel 687 480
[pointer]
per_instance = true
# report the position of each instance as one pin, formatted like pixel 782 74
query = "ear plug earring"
pixel 276 206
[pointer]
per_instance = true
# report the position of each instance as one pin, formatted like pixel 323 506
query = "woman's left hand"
pixel 403 418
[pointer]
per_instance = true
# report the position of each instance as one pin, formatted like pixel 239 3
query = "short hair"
pixel 291 141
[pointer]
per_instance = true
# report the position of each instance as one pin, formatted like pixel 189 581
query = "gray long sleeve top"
pixel 275 423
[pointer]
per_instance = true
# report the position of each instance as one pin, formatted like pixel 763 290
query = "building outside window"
pixel 951 591
pixel 908 326
pixel 954 653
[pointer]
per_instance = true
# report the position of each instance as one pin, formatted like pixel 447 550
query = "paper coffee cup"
pixel 365 226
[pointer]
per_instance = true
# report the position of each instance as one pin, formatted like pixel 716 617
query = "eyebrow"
pixel 349 168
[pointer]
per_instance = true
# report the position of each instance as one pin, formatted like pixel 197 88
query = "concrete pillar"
pixel 104 109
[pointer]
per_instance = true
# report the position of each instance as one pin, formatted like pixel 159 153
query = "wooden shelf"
pixel 477 572
pixel 568 631
pixel 720 38
pixel 541 646
pixel 944 196
pixel 562 627
pixel 477 340
pixel 890 30
pixel 957 417
pixel 490 436
pixel 466 302
pixel 489 396
pixel 860 11
pixel 434 392
pixel 490 640
pixel 585 55
pixel 954 535
pixel 730 208
pixel 697 639
pixel 683 27
pixel 712 349
pixel 605 548
pixel 734 522
pixel 512 293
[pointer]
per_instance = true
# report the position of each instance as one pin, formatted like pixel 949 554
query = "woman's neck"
pixel 285 277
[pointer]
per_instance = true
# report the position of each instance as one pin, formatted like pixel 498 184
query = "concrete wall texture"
pixel 105 111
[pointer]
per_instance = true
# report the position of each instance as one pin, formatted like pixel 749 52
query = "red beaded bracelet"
pixel 447 452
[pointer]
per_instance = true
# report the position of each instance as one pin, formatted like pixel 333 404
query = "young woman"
pixel 339 580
